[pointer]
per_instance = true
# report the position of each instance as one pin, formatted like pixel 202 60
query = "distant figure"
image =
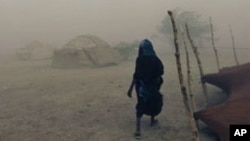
pixel 147 80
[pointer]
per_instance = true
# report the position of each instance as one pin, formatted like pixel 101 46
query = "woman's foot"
pixel 137 135
pixel 153 122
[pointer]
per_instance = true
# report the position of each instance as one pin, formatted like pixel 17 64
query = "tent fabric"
pixel 235 81
pixel 86 50
pixel 35 50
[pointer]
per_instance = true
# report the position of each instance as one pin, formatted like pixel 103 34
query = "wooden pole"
pixel 183 88
pixel 214 48
pixel 195 50
pixel 189 78
pixel 178 63
pixel 233 44
pixel 189 82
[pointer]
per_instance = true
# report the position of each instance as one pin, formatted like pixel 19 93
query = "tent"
pixel 35 50
pixel 86 50
pixel 235 81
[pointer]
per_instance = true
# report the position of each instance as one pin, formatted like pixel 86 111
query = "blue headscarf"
pixel 146 48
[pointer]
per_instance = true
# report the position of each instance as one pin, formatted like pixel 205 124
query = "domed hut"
pixel 86 50
pixel 35 51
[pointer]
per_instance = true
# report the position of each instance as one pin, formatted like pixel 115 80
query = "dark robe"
pixel 148 72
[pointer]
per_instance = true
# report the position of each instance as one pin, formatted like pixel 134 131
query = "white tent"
pixel 86 50
pixel 35 51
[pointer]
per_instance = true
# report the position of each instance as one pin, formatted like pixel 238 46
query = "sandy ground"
pixel 41 103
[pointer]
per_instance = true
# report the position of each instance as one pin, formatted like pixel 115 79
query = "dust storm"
pixel 42 102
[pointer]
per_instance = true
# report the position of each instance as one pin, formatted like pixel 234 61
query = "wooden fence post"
pixel 189 78
pixel 233 44
pixel 183 88
pixel 195 50
pixel 214 48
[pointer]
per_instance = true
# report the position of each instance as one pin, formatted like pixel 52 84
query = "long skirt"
pixel 148 104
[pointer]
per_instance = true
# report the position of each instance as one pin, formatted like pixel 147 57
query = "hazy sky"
pixel 58 21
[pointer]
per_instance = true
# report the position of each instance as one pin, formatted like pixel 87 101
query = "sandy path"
pixel 40 103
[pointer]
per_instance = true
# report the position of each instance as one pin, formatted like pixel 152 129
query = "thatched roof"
pixel 35 51
pixel 86 50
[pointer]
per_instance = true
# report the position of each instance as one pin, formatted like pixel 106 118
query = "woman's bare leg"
pixel 153 121
pixel 138 128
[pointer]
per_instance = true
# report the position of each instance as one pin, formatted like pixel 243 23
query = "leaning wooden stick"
pixel 233 43
pixel 195 50
pixel 212 38
pixel 178 64
pixel 189 78
pixel 183 88
pixel 189 81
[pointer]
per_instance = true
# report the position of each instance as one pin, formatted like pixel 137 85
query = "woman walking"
pixel 147 80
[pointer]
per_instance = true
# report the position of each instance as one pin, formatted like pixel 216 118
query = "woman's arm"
pixel 130 90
